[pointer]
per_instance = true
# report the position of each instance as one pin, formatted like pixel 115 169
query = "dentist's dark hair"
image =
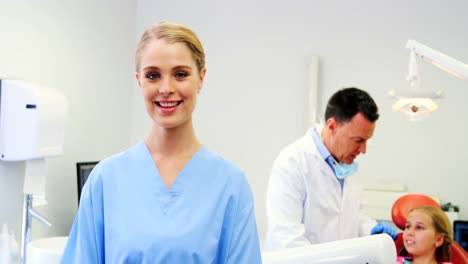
pixel 347 102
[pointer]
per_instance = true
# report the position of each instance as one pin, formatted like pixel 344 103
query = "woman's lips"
pixel 168 104
pixel 168 107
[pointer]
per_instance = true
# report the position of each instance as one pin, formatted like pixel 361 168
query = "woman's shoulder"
pixel 121 160
pixel 133 152
pixel 217 161
pixel 220 170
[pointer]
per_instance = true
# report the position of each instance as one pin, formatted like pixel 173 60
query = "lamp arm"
pixel 413 72
pixel 445 62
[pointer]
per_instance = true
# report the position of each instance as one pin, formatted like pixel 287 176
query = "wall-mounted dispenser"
pixel 32 128
pixel 32 121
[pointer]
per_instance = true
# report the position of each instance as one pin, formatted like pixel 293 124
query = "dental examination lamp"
pixel 375 249
pixel 32 126
pixel 417 102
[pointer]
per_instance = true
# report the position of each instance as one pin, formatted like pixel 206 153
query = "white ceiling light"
pixel 416 103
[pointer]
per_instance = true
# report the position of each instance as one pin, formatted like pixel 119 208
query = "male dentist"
pixel 313 195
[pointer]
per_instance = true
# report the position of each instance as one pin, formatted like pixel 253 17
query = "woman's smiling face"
pixel 170 81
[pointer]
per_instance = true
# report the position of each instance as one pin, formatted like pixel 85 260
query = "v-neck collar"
pixel 166 196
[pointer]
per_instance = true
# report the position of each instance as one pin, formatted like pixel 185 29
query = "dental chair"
pixel 400 211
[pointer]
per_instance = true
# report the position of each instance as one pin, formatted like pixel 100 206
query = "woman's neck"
pixel 173 141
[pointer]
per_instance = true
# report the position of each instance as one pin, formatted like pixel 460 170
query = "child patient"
pixel 427 237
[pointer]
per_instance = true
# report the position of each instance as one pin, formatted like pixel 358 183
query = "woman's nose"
pixel 166 87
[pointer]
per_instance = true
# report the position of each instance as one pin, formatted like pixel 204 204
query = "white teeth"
pixel 167 104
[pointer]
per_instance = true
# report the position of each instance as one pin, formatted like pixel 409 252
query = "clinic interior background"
pixel 254 100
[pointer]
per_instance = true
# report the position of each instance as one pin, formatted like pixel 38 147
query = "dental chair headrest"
pixel 405 203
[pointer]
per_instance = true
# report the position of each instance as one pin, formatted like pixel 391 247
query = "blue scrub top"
pixel 128 215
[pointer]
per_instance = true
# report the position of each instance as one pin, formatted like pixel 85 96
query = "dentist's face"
pixel 420 237
pixel 348 140
pixel 170 81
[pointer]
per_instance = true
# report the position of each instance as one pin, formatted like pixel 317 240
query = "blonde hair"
pixel 442 226
pixel 172 33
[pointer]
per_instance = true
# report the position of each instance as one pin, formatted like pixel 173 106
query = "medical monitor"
pixel 460 233
pixel 83 169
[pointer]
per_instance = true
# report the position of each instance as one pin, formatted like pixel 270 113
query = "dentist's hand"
pixel 384 227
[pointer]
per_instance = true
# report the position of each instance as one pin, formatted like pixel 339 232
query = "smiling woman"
pixel 164 195
pixel 170 81
pixel 170 64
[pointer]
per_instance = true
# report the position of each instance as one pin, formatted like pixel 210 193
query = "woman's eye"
pixel 152 75
pixel 180 75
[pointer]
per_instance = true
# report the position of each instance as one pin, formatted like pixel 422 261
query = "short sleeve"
pixel 244 244
pixel 86 239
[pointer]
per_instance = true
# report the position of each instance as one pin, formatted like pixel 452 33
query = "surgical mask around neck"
pixel 343 170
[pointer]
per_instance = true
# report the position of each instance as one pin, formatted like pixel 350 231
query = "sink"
pixel 46 250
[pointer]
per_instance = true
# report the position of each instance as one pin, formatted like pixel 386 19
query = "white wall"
pixel 254 100
pixel 85 49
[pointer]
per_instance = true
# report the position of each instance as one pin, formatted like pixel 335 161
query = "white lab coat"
pixel 305 204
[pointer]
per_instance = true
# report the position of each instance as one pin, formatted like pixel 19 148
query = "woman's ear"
pixel 440 239
pixel 137 78
pixel 202 79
